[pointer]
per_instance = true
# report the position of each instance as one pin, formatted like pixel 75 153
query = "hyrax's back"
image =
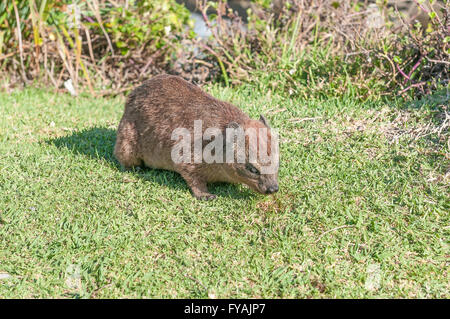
pixel 155 109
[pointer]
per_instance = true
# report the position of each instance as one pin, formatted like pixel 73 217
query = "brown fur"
pixel 165 102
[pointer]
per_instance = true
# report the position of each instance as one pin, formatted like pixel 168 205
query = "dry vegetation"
pixel 301 47
pixel 332 48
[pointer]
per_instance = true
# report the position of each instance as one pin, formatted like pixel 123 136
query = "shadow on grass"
pixel 436 101
pixel 425 123
pixel 98 143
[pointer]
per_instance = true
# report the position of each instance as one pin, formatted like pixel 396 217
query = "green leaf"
pixel 398 59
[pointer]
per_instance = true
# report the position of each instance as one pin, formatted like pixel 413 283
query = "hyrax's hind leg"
pixel 126 148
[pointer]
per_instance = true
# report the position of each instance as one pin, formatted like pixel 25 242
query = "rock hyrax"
pixel 166 104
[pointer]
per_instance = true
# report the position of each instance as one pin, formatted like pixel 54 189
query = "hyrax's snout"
pixel 272 189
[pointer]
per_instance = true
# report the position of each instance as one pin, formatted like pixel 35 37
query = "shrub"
pixel 418 55
pixel 120 43
pixel 329 48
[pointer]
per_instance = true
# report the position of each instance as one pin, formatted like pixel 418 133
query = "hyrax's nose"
pixel 272 189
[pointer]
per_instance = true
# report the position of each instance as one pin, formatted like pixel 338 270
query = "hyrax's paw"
pixel 125 168
pixel 131 169
pixel 206 197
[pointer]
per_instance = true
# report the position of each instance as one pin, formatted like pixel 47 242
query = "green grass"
pixel 72 224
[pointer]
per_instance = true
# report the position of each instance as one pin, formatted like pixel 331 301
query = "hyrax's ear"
pixel 263 120
pixel 233 125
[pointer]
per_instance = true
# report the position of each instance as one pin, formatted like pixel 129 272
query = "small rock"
pixel 4 275
pixel 69 86
pixel 211 295
pixel 373 279
pixel 73 277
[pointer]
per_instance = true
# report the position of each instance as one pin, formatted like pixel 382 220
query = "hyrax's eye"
pixel 252 168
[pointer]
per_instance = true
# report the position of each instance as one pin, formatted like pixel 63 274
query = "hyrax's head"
pixel 255 162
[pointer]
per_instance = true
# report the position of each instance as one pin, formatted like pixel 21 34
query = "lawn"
pixel 362 211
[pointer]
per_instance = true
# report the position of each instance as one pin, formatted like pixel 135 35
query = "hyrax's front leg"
pixel 198 187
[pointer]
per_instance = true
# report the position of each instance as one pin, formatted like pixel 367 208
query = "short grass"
pixel 357 215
